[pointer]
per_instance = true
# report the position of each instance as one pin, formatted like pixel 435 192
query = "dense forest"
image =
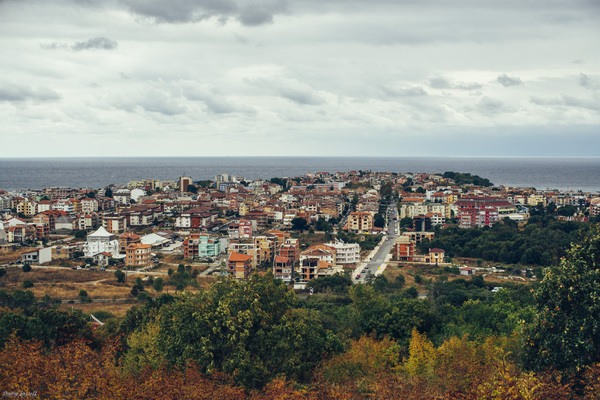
pixel 542 242
pixel 257 339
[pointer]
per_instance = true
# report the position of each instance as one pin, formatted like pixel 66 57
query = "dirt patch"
pixel 117 308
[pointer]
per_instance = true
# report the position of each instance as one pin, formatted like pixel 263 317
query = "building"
pixel 404 249
pixel 138 254
pixel 184 182
pixel 283 268
pixel 345 253
pixel 209 246
pixel 127 239
pixel 239 265
pixel 360 222
pixel 115 223
pixel 101 241
pixel 38 256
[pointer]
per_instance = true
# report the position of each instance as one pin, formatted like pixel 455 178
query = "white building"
pixel 100 241
pixel 345 253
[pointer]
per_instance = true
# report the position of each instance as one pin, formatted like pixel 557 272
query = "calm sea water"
pixel 541 173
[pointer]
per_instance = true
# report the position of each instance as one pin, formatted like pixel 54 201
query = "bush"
pixel 27 284
pixel 26 267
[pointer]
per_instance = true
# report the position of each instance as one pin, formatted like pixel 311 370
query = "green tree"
pixel 26 267
pixel 108 192
pixel 566 331
pixel 158 284
pixel 2 272
pixel 27 284
pixel 299 224
pixel 83 296
pixel 192 189
pixel 249 329
pixel 120 276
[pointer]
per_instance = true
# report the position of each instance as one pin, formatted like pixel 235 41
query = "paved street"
pixel 378 259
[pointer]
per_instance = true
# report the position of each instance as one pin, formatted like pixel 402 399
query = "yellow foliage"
pixel 422 355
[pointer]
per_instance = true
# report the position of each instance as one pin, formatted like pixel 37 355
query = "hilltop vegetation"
pixel 256 339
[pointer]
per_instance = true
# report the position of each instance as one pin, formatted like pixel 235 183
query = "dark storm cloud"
pixel 184 11
pixel 506 80
pixel 17 93
pixel 101 43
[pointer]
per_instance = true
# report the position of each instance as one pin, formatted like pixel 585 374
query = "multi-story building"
pixel 138 254
pixel 89 205
pixel 239 265
pixel 481 211
pixel 114 223
pixel 27 208
pixel 290 249
pixel 209 246
pixel 283 268
pixel 360 222
pixel 345 253
pixel 127 239
pixel 404 248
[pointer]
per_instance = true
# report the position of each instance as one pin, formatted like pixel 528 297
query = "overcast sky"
pixel 302 77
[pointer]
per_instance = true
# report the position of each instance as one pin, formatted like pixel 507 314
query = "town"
pixel 300 228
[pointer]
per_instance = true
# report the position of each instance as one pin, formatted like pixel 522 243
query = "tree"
pixel 26 267
pixel 566 331
pixel 249 330
pixel 2 272
pixel 120 276
pixel 27 284
pixel 158 285
pixel 299 224
pixel 192 189
pixel 83 296
pixel 108 192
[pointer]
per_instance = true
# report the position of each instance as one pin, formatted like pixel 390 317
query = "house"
pixel 38 256
pixel 467 271
pixel 345 253
pixel 102 259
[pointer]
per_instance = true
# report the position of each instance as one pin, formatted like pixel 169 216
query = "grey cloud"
pixel 17 93
pixel 587 82
pixel 151 100
pixel 440 83
pixel 101 43
pixel 254 16
pixel 506 80
pixel 489 106
pixel 415 91
pixel 300 96
pixel 445 83
pixel 215 103
pixel 566 101
pixel 185 11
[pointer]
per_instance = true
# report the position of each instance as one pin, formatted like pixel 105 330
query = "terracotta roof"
pixel 238 257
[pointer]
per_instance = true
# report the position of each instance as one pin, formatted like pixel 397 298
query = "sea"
pixel 542 173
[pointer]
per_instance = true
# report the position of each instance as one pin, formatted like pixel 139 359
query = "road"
pixel 383 251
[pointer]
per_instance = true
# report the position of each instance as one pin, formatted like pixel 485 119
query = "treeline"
pixel 542 242
pixel 466 178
